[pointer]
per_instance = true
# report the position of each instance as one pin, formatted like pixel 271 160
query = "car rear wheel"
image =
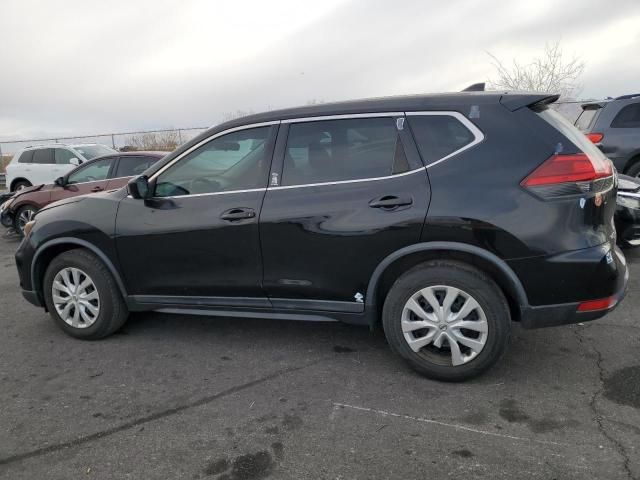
pixel 634 169
pixel 23 216
pixel 82 297
pixel 447 319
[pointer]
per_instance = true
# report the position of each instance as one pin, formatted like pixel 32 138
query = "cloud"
pixel 86 66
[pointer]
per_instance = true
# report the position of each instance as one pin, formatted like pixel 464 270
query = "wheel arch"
pixel 51 249
pixel 16 180
pixel 402 260
pixel 633 159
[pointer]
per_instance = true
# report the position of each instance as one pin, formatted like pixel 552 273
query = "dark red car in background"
pixel 104 173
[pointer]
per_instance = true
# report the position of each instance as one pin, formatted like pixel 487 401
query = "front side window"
pixel 132 166
pixel 628 117
pixel 43 156
pixel 93 172
pixel 337 150
pixel 63 156
pixel 439 135
pixel 92 151
pixel 235 161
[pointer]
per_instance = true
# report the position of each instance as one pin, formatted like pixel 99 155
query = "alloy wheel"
pixel 444 323
pixel 25 217
pixel 75 297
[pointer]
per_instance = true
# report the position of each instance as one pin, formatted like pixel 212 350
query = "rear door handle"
pixel 236 214
pixel 390 201
pixel 97 189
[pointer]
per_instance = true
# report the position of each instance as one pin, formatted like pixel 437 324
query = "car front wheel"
pixel 82 296
pixel 23 216
pixel 447 319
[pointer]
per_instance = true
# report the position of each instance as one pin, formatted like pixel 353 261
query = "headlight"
pixel 28 227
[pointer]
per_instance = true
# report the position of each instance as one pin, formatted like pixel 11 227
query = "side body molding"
pixel 372 302
pixel 81 243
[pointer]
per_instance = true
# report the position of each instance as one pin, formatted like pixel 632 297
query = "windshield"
pixel 93 151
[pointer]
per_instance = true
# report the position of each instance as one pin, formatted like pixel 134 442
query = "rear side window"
pixel 585 120
pixel 131 166
pixel 628 117
pixel 26 157
pixel 43 155
pixel 338 150
pixel 438 136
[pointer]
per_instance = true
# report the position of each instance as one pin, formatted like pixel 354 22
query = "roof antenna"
pixel 476 87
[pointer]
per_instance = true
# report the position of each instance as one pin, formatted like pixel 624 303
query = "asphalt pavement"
pixel 174 396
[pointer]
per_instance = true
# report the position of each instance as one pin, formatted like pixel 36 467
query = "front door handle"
pixel 236 214
pixel 390 201
pixel 97 189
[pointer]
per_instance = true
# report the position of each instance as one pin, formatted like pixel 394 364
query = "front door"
pixel 344 194
pixel 90 178
pixel 196 242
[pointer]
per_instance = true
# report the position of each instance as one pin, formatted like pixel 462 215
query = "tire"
pixel 111 313
pixel 634 169
pixel 437 279
pixel 20 184
pixel 23 215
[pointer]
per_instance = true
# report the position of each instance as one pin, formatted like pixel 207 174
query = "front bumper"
pixel 6 218
pixel 566 313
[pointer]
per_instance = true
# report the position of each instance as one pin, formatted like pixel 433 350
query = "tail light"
pixel 595 137
pixel 595 305
pixel 570 174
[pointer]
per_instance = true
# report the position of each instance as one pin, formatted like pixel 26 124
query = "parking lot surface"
pixel 235 399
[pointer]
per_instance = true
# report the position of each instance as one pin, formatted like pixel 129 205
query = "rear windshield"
pixel 585 120
pixel 565 127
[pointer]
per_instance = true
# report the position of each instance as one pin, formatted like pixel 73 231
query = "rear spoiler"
pixel 515 101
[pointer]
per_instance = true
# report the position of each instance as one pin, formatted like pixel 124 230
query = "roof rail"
pixel 476 87
pixel 626 97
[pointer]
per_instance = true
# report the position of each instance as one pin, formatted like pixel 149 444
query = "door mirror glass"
pixel 74 161
pixel 139 187
pixel 60 181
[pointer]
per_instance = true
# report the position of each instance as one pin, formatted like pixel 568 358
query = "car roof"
pixel 394 103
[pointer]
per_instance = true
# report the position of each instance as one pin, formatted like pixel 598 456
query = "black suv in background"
pixel 614 126
pixel 444 217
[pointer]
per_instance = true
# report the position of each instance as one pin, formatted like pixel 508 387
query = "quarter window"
pixel 628 117
pixel 96 171
pixel 337 150
pixel 439 135
pixel 26 157
pixel 43 155
pixel 235 161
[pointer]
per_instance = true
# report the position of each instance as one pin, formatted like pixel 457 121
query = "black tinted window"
pixel 26 157
pixel 439 135
pixel 132 166
pixel 628 117
pixel 236 161
pixel 335 150
pixel 43 155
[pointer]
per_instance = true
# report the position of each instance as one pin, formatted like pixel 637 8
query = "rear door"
pixel 345 192
pixel 42 166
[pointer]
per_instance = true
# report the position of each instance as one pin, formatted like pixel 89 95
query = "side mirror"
pixel 138 187
pixel 74 161
pixel 60 181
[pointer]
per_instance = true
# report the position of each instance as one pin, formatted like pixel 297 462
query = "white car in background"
pixel 44 163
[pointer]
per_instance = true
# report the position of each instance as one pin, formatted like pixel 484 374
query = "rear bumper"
pixel 566 313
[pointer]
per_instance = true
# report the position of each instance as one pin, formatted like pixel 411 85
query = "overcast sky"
pixel 93 66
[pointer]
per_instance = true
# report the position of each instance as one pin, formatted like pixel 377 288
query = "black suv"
pixel 444 217
pixel 614 126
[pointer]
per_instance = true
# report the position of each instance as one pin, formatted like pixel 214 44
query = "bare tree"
pixel 162 141
pixel 551 72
